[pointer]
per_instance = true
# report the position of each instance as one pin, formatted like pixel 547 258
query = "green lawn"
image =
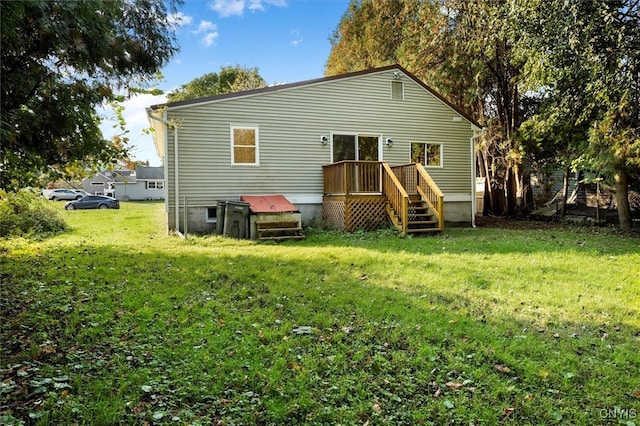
pixel 117 322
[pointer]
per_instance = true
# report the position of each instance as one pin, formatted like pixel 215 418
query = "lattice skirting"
pixel 350 213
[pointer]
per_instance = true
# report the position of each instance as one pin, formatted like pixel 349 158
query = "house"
pixel 145 183
pixel 354 150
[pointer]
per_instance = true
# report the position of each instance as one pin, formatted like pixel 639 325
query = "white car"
pixel 63 194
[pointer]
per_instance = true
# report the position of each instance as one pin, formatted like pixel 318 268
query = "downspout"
pixel 175 163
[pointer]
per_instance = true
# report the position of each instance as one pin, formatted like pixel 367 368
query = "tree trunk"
pixel 565 191
pixel 485 172
pixel 622 199
pixel 520 188
pixel 505 192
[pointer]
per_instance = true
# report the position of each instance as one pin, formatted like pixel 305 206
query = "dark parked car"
pixel 93 202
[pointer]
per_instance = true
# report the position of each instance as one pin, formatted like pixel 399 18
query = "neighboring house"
pixel 150 184
pixel 146 183
pixel 292 139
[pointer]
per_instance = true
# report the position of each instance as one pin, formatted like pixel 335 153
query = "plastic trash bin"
pixel 220 209
pixel 236 220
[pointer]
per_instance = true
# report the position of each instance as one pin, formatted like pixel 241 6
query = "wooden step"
pixel 423 230
pixel 278 229
pixel 423 222
pixel 283 237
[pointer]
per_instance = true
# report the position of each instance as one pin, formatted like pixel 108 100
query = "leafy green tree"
pixel 369 35
pixel 465 50
pixel 61 59
pixel 228 80
pixel 591 80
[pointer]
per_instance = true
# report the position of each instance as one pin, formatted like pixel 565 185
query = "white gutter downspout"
pixel 175 163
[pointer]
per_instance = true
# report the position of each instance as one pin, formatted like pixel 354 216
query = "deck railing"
pixel 395 183
pixel 352 177
pixel 416 180
pixel 396 195
pixel 430 192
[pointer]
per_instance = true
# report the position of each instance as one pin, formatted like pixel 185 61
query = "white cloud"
pixel 135 116
pixel 262 4
pixel 209 32
pixel 226 8
pixel 209 38
pixel 297 38
pixel 179 19
pixel 205 26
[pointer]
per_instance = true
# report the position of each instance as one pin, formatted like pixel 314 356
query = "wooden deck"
pixel 369 194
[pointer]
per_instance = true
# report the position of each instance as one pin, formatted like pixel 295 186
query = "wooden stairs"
pixel 412 200
pixel 421 218
pixel 279 229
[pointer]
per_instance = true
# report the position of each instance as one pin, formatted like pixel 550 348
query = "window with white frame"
pixel 397 90
pixel 427 154
pixel 211 215
pixel 244 145
pixel 355 146
pixel 155 184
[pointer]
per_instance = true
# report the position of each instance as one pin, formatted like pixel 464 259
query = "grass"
pixel 117 322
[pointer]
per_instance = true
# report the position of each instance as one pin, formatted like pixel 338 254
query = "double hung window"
pixel 244 145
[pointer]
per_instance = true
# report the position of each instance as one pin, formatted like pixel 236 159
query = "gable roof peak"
pixel 398 73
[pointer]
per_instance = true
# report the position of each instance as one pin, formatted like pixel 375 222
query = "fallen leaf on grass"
pixel 454 385
pixel 636 394
pixel 502 368
pixel 437 390
pixel 363 277
pixel 142 406
pixel 507 412
pixel 294 366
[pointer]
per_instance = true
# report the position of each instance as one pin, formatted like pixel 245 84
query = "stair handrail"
pixel 396 195
pixel 431 194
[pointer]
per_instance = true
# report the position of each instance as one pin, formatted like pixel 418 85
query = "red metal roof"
pixel 269 204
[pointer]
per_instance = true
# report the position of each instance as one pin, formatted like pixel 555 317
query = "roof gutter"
pixel 167 123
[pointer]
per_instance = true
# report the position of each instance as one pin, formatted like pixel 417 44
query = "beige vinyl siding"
pixel 290 123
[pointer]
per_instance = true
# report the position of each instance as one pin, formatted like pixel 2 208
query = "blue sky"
pixel 287 40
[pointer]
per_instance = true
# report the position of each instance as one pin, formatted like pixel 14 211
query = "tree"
pixel 369 35
pixel 467 51
pixel 228 80
pixel 61 59
pixel 591 78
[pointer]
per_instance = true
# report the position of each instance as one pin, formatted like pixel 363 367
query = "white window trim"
pixel 155 185
pixel 209 219
pixel 441 165
pixel 401 93
pixel 245 127
pixel 424 146
pixel 357 135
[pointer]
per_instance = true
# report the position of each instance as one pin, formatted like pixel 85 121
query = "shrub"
pixel 23 213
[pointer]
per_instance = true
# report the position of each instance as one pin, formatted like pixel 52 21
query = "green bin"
pixel 236 220
pixel 220 209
